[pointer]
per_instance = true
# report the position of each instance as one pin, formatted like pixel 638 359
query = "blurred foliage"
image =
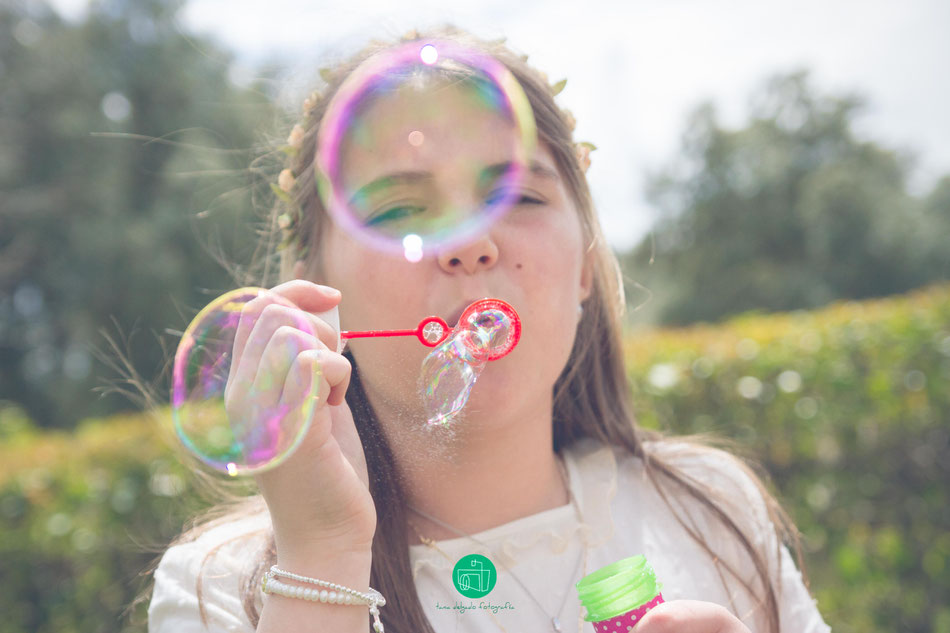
pixel 847 408
pixel 82 515
pixel 125 160
pixel 116 132
pixel 791 211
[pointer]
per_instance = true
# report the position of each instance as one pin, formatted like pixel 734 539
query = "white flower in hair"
pixel 286 180
pixel 582 150
pixel 310 102
pixel 295 139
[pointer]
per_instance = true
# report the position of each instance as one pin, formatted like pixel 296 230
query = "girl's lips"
pixel 454 316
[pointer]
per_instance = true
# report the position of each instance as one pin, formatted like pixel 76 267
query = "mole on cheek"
pixel 518 266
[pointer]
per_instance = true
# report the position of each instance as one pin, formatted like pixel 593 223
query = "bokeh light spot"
pixel 429 55
pixel 416 138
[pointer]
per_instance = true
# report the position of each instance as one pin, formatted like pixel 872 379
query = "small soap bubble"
pixel 269 412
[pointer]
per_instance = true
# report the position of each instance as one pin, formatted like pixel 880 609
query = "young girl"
pixel 547 475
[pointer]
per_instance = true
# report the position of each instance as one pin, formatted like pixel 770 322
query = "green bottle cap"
pixel 617 588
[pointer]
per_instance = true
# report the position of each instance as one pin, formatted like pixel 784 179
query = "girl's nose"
pixel 471 257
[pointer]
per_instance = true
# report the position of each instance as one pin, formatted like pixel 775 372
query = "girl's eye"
pixel 498 196
pixel 395 213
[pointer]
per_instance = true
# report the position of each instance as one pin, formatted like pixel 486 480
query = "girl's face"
pixel 533 258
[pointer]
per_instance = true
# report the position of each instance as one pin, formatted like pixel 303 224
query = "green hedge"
pixel 847 408
pixel 81 516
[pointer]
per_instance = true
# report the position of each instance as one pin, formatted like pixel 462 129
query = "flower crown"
pixel 289 220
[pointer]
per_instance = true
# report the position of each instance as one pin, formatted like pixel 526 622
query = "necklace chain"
pixel 555 619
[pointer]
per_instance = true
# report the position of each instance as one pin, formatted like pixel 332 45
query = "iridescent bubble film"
pixel 241 420
pixel 487 330
pixel 423 147
pixel 449 372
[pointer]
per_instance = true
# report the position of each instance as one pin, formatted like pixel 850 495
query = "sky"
pixel 636 68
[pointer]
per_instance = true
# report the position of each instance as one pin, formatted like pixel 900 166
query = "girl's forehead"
pixel 433 129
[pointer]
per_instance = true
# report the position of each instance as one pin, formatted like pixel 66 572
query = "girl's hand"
pixel 319 497
pixel 690 616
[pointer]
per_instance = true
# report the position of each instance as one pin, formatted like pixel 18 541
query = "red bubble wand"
pixel 433 330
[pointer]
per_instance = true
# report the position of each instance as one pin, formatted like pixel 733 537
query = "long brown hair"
pixel 591 397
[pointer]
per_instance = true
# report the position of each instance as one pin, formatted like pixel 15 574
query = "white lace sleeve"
pixel 797 609
pixel 174 605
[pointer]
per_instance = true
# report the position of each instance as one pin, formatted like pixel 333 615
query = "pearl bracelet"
pixel 337 594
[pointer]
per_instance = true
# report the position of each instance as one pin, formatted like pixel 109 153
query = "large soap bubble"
pixel 248 440
pixel 409 132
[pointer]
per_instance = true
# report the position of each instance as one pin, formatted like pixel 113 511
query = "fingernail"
pixel 333 292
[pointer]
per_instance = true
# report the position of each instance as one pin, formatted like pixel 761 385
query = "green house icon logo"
pixel 474 576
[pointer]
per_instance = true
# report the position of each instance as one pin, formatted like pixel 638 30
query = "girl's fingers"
pixel 337 370
pixel 308 297
pixel 272 319
pixel 320 376
pixel 690 616
pixel 275 367
pixel 262 314
pixel 317 373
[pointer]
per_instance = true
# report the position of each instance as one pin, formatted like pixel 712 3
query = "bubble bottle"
pixel 616 597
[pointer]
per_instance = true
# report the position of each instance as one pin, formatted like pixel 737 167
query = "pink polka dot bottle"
pixel 616 597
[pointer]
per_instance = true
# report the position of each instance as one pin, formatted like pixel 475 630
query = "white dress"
pixel 622 515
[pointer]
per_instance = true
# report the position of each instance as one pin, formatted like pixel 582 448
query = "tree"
pixel 791 211
pixel 100 228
